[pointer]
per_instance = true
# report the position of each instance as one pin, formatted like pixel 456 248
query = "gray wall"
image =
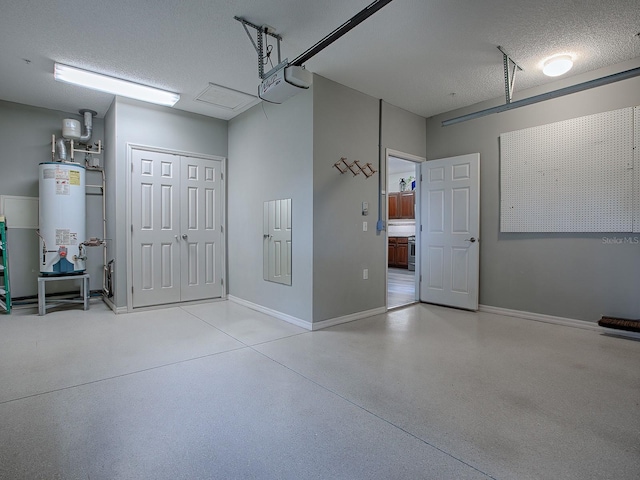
pixel 25 141
pixel 345 125
pixel 288 151
pixel 150 125
pixel 275 151
pixel 270 158
pixel 403 131
pixel 112 188
pixel 567 275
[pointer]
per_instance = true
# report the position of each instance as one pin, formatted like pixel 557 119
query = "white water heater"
pixel 62 218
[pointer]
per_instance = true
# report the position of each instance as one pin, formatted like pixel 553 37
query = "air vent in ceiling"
pixel 224 97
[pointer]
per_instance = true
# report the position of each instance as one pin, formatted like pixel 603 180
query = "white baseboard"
pixel 567 322
pixel 113 307
pixel 347 318
pixel 274 313
pixel 303 323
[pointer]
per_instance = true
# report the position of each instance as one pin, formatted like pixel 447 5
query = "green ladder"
pixel 5 290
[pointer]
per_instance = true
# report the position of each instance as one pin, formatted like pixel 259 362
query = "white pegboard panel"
pixel 636 171
pixel 570 176
pixel 21 212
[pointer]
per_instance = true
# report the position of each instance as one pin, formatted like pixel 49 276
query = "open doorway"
pixel 401 190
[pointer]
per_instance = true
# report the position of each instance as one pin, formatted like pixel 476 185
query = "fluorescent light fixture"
pixel 116 86
pixel 558 65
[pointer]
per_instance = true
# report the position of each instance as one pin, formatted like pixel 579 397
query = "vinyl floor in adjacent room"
pixel 218 391
pixel 401 289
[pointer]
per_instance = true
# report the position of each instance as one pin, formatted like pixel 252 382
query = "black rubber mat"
pixel 620 324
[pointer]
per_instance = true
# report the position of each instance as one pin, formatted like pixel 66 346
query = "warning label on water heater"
pixel 74 177
pixel 62 182
pixel 66 237
pixel 62 175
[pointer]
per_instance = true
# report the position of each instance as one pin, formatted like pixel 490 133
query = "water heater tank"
pixel 62 217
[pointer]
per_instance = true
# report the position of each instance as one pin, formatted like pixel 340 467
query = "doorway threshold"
pixel 401 306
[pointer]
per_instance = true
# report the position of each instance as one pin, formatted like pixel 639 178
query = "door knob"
pixel 185 236
pixel 472 239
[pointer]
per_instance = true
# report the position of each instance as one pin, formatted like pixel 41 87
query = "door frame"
pixel 130 147
pixel 389 152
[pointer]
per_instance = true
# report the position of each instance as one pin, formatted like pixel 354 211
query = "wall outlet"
pixel 365 274
pixel 365 226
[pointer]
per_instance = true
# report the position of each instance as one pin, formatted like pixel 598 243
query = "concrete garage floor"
pixel 220 391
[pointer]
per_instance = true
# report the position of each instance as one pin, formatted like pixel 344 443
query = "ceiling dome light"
pixel 556 66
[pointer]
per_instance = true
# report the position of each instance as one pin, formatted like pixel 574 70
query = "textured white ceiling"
pixel 426 56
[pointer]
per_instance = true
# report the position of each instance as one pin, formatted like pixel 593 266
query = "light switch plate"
pixel 365 208
pixel 365 226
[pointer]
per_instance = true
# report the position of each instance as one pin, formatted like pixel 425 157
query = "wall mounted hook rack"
pixel 343 166
pixel 367 169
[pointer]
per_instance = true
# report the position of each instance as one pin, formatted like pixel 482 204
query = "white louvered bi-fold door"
pixel 176 234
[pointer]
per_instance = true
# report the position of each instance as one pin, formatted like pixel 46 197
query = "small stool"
pixel 84 291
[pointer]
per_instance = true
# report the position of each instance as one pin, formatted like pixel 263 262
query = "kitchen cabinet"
pixel 392 252
pixel 398 248
pixel 394 211
pixel 394 208
pixel 402 255
pixel 402 205
pixel 407 204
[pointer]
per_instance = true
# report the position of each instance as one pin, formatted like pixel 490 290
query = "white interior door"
pixel 450 250
pixel 176 235
pixel 277 241
pixel 155 204
pixel 200 235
